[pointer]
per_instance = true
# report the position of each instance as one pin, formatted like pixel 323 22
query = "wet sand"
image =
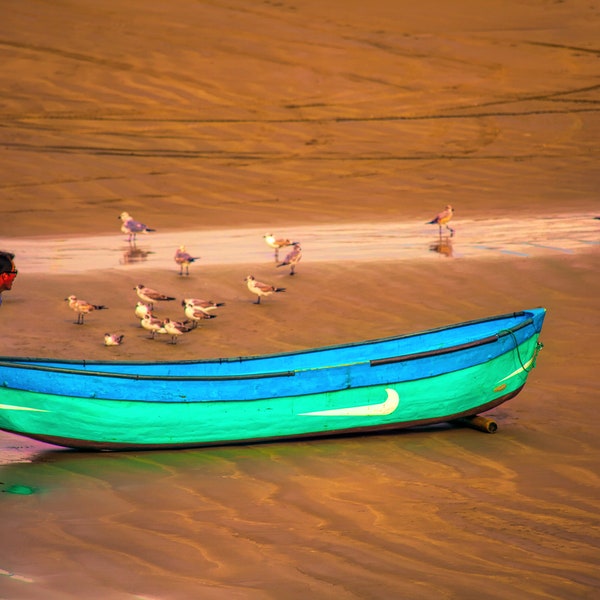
pixel 348 128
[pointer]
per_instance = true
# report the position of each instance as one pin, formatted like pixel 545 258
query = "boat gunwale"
pixel 9 360
pixel 287 373
pixel 449 349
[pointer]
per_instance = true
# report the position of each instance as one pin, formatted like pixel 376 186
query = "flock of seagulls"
pixel 144 312
pixel 195 309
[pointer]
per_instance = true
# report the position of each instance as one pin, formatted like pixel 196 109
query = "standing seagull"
pixel 82 308
pixel 132 227
pixel 175 329
pixel 183 259
pixel 150 296
pixel 206 306
pixel 153 325
pixel 277 243
pixel 443 218
pixel 196 314
pixel 141 310
pixel 261 289
pixel 292 259
pixel 113 339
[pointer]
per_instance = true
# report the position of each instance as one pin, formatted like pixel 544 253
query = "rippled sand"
pixel 347 126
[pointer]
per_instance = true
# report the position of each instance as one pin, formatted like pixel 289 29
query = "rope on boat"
pixel 538 348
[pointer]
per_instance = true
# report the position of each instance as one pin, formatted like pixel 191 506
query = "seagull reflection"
pixel 133 254
pixel 443 245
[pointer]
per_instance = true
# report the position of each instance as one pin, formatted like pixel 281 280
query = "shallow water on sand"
pixel 528 237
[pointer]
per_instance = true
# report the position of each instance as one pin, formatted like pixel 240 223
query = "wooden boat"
pixel 433 376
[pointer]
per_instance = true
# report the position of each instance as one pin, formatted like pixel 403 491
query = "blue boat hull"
pixel 357 387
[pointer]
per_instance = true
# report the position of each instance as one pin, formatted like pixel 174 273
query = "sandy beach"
pixel 347 127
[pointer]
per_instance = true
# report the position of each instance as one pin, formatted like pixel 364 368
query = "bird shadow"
pixel 443 245
pixel 132 254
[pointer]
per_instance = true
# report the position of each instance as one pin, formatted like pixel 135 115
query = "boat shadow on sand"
pixel 50 469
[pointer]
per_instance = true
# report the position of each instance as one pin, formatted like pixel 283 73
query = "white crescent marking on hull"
pixel 370 410
pixel 10 407
pixel 519 370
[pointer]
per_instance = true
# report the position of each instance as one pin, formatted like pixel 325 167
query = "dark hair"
pixel 6 262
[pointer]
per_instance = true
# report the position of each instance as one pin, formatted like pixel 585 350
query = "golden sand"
pixel 232 119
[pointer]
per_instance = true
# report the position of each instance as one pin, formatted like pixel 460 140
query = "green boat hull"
pixel 106 424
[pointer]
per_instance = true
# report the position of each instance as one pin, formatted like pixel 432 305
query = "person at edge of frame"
pixel 8 272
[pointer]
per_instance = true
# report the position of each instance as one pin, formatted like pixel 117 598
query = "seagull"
pixel 293 258
pixel 153 325
pixel 113 339
pixel 206 306
pixel 175 329
pixel 150 296
pixel 183 259
pixel 82 308
pixel 443 218
pixel 132 227
pixel 261 289
pixel 277 243
pixel 141 310
pixel 196 314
